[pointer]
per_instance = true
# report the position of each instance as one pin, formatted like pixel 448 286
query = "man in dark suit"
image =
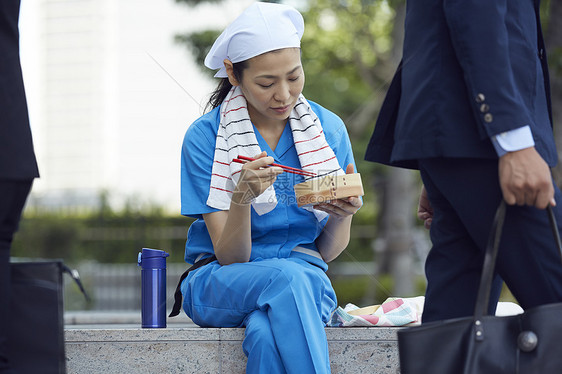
pixel 470 108
pixel 18 166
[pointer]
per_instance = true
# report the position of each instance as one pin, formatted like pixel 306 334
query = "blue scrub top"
pixel 276 233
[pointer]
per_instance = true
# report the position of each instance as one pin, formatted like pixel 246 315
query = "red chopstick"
pixel 243 159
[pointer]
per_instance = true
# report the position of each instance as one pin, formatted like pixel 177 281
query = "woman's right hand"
pixel 255 177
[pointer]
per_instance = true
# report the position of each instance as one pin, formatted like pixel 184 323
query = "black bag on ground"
pixel 528 343
pixel 36 332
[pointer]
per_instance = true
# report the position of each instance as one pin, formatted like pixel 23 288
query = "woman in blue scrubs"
pixel 269 273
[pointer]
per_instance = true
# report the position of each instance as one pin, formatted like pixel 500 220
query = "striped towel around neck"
pixel 236 136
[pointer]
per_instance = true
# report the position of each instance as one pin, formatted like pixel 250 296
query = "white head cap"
pixel 261 28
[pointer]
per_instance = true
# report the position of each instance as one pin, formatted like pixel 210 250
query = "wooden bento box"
pixel 330 187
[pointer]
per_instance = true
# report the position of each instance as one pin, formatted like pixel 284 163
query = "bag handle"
pixel 490 262
pixel 178 295
pixel 76 277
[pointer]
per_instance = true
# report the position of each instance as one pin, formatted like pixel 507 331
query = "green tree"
pixel 351 50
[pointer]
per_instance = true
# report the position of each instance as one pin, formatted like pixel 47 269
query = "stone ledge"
pixel 193 349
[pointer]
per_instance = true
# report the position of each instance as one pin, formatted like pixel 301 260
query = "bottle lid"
pixel 152 259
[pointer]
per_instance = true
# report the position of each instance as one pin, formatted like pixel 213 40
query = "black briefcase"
pixel 527 343
pixel 36 329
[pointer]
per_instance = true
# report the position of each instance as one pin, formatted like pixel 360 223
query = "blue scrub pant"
pixel 283 303
pixel 464 194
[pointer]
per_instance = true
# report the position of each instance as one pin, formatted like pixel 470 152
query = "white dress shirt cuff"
pixel 513 140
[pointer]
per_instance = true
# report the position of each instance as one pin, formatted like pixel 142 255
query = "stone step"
pixel 186 348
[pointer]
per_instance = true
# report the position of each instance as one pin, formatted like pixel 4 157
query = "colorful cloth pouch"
pixel 395 311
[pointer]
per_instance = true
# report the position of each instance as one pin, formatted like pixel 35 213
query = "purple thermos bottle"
pixel 153 287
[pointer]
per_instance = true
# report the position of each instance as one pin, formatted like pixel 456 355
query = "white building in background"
pixel 111 94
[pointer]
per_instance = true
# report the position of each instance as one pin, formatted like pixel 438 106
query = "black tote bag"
pixel 36 331
pixel 527 343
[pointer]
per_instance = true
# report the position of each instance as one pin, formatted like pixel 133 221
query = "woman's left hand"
pixel 341 208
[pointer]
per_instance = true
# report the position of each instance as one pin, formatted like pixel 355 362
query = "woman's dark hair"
pixel 224 86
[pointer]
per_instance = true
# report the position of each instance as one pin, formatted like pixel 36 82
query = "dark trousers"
pixel 465 194
pixel 12 200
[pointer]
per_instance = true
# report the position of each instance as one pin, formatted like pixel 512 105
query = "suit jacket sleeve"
pixel 480 32
pixel 17 156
